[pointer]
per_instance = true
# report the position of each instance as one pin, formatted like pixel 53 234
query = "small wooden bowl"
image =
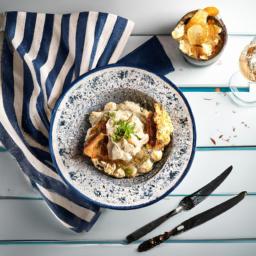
pixel 214 57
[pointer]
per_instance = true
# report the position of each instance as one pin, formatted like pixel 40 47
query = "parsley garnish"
pixel 137 137
pixel 124 129
pixel 110 115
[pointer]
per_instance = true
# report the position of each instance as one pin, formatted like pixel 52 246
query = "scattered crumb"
pixel 245 125
pixel 234 129
pixel 226 139
pixel 207 99
pixel 213 141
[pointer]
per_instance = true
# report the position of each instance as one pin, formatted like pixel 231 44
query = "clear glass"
pixel 241 79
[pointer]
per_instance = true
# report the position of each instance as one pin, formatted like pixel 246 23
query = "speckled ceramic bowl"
pixel 69 124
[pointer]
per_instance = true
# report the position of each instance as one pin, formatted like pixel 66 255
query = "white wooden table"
pixel 28 228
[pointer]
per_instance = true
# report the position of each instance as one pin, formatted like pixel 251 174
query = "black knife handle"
pixel 149 244
pixel 150 226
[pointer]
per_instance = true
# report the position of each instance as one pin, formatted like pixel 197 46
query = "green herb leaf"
pixel 128 171
pixel 137 137
pixel 109 115
pixel 112 114
pixel 124 129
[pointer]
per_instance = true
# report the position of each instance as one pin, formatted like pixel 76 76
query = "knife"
pixel 192 222
pixel 186 204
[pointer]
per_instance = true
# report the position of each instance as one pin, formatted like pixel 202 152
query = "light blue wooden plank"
pixel 220 122
pixel 176 249
pixel 30 219
pixel 12 180
pixel 34 242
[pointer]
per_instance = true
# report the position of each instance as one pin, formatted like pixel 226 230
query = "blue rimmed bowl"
pixel 69 124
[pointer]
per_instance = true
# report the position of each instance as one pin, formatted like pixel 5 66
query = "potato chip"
pixel 203 57
pixel 207 49
pixel 185 47
pixel 200 17
pixel 197 34
pixel 213 34
pixel 212 11
pixel 179 31
pixel 195 51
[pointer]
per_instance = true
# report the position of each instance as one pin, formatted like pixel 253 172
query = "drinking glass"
pixel 245 77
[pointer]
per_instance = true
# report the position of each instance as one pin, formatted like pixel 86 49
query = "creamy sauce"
pixel 128 152
pixel 125 149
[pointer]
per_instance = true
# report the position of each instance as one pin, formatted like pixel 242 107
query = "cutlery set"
pixel 187 203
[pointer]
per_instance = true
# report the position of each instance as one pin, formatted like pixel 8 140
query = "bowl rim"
pixel 92 201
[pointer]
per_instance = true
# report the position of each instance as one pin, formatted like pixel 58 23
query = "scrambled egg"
pixel 164 127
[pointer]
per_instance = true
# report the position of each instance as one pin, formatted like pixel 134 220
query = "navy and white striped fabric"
pixel 41 55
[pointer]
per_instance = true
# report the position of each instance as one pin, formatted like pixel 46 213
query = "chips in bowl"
pixel 200 34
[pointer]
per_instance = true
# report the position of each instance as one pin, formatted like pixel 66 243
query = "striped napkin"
pixel 41 55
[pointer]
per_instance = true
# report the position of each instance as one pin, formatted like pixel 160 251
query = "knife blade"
pixel 186 204
pixel 193 222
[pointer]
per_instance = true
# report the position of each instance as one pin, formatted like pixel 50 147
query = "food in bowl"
pixel 200 34
pixel 125 139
